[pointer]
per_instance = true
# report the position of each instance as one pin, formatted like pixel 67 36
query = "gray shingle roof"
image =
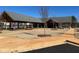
pixel 20 17
pixel 62 19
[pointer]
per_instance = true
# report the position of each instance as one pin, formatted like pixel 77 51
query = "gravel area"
pixel 31 34
pixel 21 40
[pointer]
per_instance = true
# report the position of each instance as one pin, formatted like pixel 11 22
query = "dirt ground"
pixel 25 40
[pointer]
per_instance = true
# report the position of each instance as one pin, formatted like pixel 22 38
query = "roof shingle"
pixel 20 17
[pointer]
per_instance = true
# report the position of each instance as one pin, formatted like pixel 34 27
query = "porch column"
pixel 37 25
pixel 70 25
pixel 32 25
pixel 60 25
pixel 9 25
pixel 53 24
pixel 18 24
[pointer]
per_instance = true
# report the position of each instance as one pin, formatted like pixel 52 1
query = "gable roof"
pixel 20 17
pixel 62 19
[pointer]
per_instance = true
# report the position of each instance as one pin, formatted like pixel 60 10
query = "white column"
pixel 37 25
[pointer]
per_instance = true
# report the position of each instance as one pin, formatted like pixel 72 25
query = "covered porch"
pixel 20 25
pixel 16 25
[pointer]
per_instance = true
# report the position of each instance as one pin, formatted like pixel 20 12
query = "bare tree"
pixel 44 16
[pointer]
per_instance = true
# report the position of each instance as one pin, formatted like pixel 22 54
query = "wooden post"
pixel 18 25
pixel 53 24
pixel 37 25
pixel 10 25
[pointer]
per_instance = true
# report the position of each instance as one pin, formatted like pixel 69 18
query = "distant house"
pixel 13 20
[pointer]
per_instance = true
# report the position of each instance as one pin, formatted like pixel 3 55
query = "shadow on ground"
pixel 64 48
